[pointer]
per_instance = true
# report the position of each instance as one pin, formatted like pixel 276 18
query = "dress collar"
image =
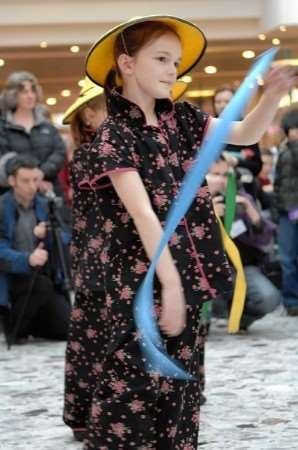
pixel 131 113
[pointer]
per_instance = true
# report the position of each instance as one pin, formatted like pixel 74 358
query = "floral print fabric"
pixel 131 408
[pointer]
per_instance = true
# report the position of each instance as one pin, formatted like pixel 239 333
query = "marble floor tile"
pixel 252 391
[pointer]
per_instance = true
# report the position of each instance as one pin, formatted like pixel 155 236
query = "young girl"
pixel 136 166
pixel 87 325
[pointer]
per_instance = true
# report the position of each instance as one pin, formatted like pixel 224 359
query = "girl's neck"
pixel 146 103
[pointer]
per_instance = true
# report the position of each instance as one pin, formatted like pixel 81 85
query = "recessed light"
pixel 186 79
pixel 2 62
pixel 248 54
pixel 51 101
pixel 81 83
pixel 75 49
pixel 262 36
pixel 200 93
pixel 283 28
pixel 65 93
pixel 43 44
pixel 210 69
pixel 275 41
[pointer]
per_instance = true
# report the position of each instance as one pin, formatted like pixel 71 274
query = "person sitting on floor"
pixel 252 234
pixel 28 294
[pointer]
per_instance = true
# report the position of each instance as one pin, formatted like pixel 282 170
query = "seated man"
pixel 27 291
pixel 252 234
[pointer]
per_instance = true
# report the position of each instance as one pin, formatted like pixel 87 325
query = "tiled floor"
pixel 252 390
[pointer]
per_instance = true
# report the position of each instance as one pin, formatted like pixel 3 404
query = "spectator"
pixel 286 195
pixel 251 233
pixel 25 129
pixel 243 158
pixel 265 175
pixel 24 256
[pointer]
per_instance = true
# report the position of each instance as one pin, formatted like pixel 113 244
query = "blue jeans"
pixel 262 297
pixel 288 251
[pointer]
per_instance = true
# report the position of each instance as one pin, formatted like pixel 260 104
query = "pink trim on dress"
pixel 197 258
pixel 207 126
pixel 106 174
pixel 84 185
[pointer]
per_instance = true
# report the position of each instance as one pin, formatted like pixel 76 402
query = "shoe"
pixel 79 434
pixel 292 310
pixel 203 399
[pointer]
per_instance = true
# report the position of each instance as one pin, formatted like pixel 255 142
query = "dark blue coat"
pixel 14 261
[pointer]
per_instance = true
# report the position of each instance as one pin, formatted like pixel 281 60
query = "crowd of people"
pixel 133 144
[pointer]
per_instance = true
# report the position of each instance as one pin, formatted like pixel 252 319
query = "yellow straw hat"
pixel 178 89
pixel 100 59
pixel 88 92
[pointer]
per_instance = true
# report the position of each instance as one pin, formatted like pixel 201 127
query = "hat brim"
pixel 178 90
pixel 100 58
pixel 79 102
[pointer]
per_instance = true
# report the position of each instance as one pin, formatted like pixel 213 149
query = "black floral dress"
pixel 131 408
pixel 87 333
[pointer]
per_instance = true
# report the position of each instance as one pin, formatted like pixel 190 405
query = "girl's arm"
pixel 132 193
pixel 250 130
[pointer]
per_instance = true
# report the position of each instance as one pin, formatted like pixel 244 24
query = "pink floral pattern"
pixel 137 409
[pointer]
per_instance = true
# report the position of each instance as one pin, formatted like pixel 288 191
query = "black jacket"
pixel 286 178
pixel 43 142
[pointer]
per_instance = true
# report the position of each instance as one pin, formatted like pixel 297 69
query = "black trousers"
pixel 47 311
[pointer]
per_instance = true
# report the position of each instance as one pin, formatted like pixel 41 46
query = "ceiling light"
pixel 248 54
pixel 81 83
pixel 275 41
pixel 200 93
pixel 210 69
pixel 286 62
pixel 75 49
pixel 282 28
pixel 262 36
pixel 51 101
pixel 43 44
pixel 65 93
pixel 186 79
pixel 2 62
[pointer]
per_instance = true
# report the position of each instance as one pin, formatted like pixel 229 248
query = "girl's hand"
pixel 173 313
pixel 280 80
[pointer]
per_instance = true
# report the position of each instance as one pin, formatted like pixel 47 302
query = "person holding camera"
pixel 252 234
pixel 28 294
pixel 286 204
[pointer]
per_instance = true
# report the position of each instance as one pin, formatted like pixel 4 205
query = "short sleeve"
pixel 113 150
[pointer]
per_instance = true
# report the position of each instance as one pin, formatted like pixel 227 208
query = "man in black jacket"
pixel 286 196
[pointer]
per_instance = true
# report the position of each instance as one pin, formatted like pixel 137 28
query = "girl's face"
pixel 293 134
pixel 221 100
pixel 93 117
pixel 267 166
pixel 153 70
pixel 27 97
pixel 217 177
